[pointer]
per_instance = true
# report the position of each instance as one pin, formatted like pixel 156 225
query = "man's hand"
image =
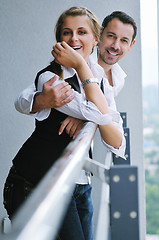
pixel 72 126
pixel 52 97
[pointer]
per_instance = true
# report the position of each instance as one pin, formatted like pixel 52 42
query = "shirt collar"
pixel 68 72
pixel 118 72
pixel 118 77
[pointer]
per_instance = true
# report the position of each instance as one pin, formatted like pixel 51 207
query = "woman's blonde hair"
pixel 78 11
pixel 75 11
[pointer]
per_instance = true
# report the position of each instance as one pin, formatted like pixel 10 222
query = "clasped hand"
pixel 72 126
pixel 66 55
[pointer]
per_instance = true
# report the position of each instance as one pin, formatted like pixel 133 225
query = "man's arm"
pixel 52 97
pixel 38 103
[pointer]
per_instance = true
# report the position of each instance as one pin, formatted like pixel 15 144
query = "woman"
pixel 77 32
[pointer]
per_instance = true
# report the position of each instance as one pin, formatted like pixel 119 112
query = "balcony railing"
pixel 40 216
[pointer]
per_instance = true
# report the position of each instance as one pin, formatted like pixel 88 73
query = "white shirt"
pixel 79 107
pixel 118 77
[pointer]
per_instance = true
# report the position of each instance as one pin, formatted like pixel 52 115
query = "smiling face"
pixel 115 42
pixel 77 33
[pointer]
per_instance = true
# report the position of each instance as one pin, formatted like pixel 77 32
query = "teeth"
pixel 76 48
pixel 114 54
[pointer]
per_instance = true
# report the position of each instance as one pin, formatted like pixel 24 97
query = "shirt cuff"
pixel 120 151
pixel 92 113
pixel 24 104
pixel 41 115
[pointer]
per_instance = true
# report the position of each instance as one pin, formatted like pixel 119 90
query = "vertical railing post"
pixel 124 214
pixel 118 160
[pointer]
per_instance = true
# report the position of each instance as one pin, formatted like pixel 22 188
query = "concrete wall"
pixel 26 39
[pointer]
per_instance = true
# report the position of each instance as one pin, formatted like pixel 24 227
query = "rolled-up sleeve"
pixel 121 150
pixel 24 103
pixel 83 109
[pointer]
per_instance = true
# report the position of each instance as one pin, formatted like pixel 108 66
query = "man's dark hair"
pixel 123 17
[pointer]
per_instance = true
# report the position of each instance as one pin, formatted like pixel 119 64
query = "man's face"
pixel 115 41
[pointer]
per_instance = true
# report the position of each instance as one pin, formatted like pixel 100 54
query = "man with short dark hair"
pixel 117 38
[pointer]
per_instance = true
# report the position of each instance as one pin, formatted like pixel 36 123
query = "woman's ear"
pixel 95 42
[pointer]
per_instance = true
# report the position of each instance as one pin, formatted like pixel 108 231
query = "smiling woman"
pixel 89 27
pixel 77 33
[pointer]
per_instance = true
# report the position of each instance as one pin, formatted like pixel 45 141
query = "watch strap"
pixel 89 80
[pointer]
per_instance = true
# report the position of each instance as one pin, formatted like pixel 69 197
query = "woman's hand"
pixel 72 126
pixel 66 55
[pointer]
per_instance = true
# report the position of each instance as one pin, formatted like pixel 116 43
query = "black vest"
pixel 45 145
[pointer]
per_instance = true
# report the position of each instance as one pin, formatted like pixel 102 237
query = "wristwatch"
pixel 90 80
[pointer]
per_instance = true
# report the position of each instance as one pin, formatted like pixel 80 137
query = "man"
pixel 117 38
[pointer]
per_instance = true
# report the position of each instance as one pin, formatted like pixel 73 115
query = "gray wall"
pixel 26 39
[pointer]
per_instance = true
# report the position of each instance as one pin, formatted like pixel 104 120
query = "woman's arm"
pixel 68 57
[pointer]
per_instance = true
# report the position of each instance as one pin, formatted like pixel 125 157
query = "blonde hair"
pixel 75 11
pixel 78 11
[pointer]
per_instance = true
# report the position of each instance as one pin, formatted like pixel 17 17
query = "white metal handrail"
pixel 40 216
